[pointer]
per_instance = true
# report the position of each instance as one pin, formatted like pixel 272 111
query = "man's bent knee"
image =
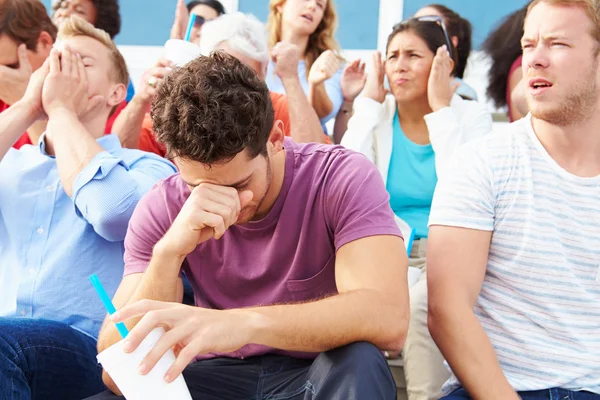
pixel 361 367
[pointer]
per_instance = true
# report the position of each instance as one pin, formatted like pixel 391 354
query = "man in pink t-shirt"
pixel 297 265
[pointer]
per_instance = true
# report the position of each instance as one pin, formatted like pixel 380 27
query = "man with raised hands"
pixel 64 209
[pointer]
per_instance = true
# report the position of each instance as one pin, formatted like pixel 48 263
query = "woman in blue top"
pixel 309 24
pixel 411 134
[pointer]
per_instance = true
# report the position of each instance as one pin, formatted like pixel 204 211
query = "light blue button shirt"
pixel 50 244
pixel 332 86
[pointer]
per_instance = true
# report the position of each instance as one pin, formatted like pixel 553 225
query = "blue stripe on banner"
pixel 484 15
pixel 148 22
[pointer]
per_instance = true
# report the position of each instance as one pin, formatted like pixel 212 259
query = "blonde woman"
pixel 310 25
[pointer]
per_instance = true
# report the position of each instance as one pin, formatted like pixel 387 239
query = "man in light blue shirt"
pixel 64 209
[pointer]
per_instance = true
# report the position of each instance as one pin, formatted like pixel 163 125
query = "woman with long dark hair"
pixel 460 31
pixel 503 46
pixel 411 134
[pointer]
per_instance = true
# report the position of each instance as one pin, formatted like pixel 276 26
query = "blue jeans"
pixel 47 360
pixel 357 371
pixel 548 394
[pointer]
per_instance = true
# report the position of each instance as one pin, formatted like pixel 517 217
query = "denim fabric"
pixel 46 360
pixel 548 394
pixel 356 371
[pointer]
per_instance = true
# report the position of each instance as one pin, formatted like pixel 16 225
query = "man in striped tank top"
pixel 514 241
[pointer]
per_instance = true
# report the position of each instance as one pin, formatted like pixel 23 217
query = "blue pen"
pixel 188 33
pixel 108 304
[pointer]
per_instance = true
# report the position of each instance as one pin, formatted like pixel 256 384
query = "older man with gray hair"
pixel 244 37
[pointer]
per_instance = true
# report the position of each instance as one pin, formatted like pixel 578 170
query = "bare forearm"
pixel 465 345
pixel 128 124
pixel 74 146
pixel 341 121
pixel 159 282
pixel 361 315
pixel 319 100
pixel 305 125
pixel 13 122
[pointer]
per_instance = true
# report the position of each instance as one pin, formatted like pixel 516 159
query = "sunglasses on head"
pixel 438 20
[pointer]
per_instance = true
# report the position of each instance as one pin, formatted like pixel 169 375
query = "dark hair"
pixel 431 32
pixel 462 29
pixel 24 20
pixel 503 45
pixel 108 17
pixel 214 4
pixel 212 109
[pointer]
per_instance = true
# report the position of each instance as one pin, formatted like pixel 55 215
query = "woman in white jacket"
pixel 411 134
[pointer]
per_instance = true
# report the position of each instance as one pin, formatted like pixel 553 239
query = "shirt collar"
pixel 109 143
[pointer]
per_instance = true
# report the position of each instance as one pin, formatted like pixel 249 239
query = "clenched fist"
pixel 324 67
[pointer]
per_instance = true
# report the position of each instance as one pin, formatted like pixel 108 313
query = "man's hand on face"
pixel 33 93
pixel 66 86
pixel 208 213
pixel 13 81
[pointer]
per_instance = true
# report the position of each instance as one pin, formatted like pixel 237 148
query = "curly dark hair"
pixel 212 109
pixel 108 17
pixel 463 30
pixel 503 45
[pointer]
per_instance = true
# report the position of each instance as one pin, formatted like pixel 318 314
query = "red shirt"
pixel 24 139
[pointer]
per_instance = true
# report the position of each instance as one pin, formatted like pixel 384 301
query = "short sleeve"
pixel 147 226
pixel 464 195
pixel 357 203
